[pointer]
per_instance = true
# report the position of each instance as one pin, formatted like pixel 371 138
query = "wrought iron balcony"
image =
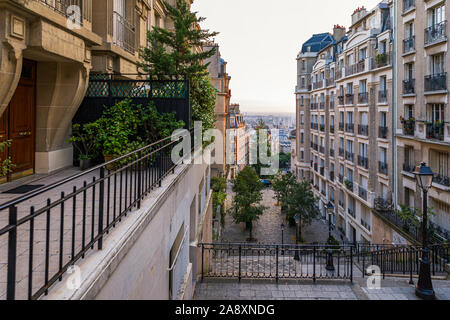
pixel 436 33
pixel 341 152
pixel 409 86
pixel 442 180
pixel 341 178
pixel 382 96
pixel 352 69
pixel 435 131
pixel 382 167
pixel 363 162
pixel 350 156
pixel 436 82
pixel 363 130
pixel 363 97
pixel 349 98
pixel 62 6
pixel 341 126
pixel 408 4
pixel 350 127
pixel 123 33
pixel 349 185
pixel 331 129
pixel 383 132
pixel 381 60
pixel 351 212
pixel 332 153
pixel 409 127
pixel 361 66
pixel 410 168
pixel 341 100
pixel 409 44
pixel 362 193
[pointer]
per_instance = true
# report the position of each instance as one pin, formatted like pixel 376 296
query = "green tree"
pixel 301 201
pixel 281 185
pixel 285 159
pixel 248 195
pixel 174 52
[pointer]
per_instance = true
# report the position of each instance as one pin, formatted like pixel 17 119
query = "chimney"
pixel 338 32
pixel 358 14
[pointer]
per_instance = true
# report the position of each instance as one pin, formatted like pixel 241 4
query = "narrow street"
pixel 268 228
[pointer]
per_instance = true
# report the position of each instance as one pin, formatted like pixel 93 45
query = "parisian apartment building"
pixel 366 118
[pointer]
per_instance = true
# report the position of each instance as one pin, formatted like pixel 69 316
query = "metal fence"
pixel 262 261
pixel 42 236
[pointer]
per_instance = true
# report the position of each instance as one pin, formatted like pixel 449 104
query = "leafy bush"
pixel 84 138
pixel 7 165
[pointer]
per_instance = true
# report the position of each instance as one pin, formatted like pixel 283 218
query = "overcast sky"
pixel 260 40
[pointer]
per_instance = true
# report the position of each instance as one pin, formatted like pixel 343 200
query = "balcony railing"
pixel 352 69
pixel 361 66
pixel 350 127
pixel 322 127
pixel 363 162
pixel 341 178
pixel 442 180
pixel 363 130
pixel 409 127
pixel 341 152
pixel 322 171
pixel 350 156
pixel 331 129
pixel 364 223
pixel 362 193
pixel 409 86
pixel 351 212
pixel 322 105
pixel 435 131
pixel 62 6
pixel 407 4
pixel 409 44
pixel 362 97
pixel 410 168
pixel 436 82
pixel 124 33
pixel 341 126
pixel 349 185
pixel 349 98
pixel 381 60
pixel 332 153
pixel 383 132
pixel 382 96
pixel 341 100
pixel 436 33
pixel 382 167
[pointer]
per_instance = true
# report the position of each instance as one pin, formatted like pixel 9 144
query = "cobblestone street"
pixel 268 228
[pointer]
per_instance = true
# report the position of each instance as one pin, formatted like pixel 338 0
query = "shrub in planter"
pixel 84 138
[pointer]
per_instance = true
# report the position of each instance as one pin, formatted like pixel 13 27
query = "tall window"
pixel 437 64
pixel 436 15
pixel 435 112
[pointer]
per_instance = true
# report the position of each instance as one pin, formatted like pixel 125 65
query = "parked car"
pixel 266 182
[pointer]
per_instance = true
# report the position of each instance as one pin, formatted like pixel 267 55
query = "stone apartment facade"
pixel 238 136
pixel 422 119
pixel 47 52
pixel 221 80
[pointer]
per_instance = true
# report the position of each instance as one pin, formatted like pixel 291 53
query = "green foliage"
pixel 285 159
pixel 218 184
pixel 281 185
pixel 84 138
pixel 248 195
pixel 6 164
pixel 301 201
pixel 173 52
pixel 332 241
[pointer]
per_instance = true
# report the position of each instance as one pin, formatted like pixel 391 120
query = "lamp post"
pixel 282 239
pixel 297 223
pixel 424 289
pixel 330 265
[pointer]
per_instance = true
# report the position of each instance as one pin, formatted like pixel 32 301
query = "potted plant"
pixel 84 138
pixel 6 164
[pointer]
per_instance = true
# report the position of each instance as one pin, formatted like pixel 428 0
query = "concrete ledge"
pixel 47 162
pixel 98 266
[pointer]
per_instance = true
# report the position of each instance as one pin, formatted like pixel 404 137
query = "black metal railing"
pixel 349 98
pixel 382 167
pixel 409 44
pixel 436 33
pixel 62 7
pixel 382 96
pixel 441 179
pixel 409 127
pixel 331 129
pixel 408 4
pixel 332 153
pixel 72 216
pixel 350 127
pixel 363 162
pixel 350 156
pixel 363 129
pixel 341 100
pixel 349 185
pixel 341 126
pixel 436 82
pixel 410 168
pixel 264 261
pixel 381 60
pixel 123 33
pixel 362 192
pixel 383 132
pixel 341 152
pixel 435 131
pixel 341 178
pixel 362 97
pixel 409 86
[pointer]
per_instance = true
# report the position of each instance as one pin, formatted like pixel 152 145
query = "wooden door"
pixel 18 122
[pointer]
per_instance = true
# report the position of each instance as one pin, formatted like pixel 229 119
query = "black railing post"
pixel 314 264
pixel 351 265
pixel 410 267
pixel 240 261
pixel 12 251
pixel 100 208
pixel 276 268
pixel 203 258
pixel 363 265
pixel 139 180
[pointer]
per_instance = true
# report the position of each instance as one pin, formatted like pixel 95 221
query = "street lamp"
pixel 424 289
pixel 330 265
pixel 297 223
pixel 282 238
